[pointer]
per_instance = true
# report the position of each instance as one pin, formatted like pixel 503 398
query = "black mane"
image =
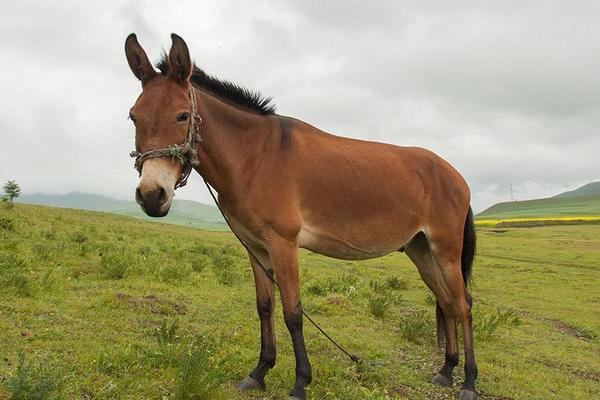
pixel 249 99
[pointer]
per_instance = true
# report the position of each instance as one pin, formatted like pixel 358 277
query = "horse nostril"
pixel 162 195
pixel 138 196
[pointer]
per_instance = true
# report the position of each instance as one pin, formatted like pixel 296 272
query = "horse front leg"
pixel 265 304
pixel 284 259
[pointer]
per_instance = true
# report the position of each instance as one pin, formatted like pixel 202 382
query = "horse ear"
pixel 138 60
pixel 179 60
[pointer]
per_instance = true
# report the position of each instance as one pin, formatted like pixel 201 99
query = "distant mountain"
pixel 590 189
pixel 183 212
pixel 579 202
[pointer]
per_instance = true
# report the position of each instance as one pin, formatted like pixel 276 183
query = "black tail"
pixel 469 247
pixel 466 261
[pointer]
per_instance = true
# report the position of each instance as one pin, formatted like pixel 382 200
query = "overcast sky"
pixel 508 92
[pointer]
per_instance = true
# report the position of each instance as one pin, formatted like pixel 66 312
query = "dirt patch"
pixel 154 304
pixel 570 330
pixel 399 390
pixel 27 335
pixel 486 396
pixel 590 375
pixel 496 230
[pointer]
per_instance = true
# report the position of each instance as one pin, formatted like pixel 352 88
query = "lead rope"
pixel 352 357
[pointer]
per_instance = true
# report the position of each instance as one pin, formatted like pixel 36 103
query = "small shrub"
pixel 223 261
pixel 41 251
pixel 201 371
pixel 200 261
pixel 174 273
pixel 379 304
pixel 389 284
pixel 48 234
pixel 344 284
pixel 79 270
pixel 116 361
pixel 7 224
pixel 416 327
pixel 166 333
pixel 10 245
pixel 225 276
pixel 146 251
pixel 114 265
pixel 79 237
pixel 338 299
pixel 46 282
pixel 30 381
pixel 21 283
pixel 204 248
pixel 396 283
pixel 13 275
pixel 486 324
pixel 232 250
pixel 224 267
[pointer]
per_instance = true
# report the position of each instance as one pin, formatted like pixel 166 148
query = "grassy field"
pixel 99 306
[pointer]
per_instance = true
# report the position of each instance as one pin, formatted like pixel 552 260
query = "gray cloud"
pixel 506 91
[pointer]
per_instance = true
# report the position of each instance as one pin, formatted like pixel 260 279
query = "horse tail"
pixel 466 263
pixel 469 247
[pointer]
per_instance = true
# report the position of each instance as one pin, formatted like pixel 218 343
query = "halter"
pixel 185 152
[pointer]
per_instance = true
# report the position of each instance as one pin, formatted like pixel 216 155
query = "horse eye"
pixel 183 117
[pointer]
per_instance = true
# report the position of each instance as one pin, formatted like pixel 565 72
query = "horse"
pixel 284 184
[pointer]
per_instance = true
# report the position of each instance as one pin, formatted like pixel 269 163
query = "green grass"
pixel 106 307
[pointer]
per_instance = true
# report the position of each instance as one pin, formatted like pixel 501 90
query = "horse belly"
pixel 349 248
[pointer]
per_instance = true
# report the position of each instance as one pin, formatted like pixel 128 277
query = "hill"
pixel 591 189
pixel 183 212
pixel 584 201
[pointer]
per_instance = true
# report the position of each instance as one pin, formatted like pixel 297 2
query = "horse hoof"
pixel 467 394
pixel 249 383
pixel 441 380
pixel 297 396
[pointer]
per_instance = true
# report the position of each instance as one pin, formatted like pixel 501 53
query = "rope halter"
pixel 185 152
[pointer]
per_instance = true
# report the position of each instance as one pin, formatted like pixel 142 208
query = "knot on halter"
pixel 185 152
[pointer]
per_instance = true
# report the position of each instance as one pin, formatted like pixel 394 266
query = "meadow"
pixel 101 306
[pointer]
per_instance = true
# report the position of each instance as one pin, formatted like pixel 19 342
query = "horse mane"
pixel 251 100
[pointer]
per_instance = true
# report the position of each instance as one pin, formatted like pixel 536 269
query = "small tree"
pixel 12 190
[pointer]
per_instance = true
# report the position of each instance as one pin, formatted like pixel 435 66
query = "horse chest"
pixel 241 229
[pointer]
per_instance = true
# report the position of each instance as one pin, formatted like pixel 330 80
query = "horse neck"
pixel 231 141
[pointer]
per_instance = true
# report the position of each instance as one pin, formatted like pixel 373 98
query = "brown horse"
pixel 284 184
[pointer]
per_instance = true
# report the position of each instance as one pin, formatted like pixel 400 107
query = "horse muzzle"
pixel 154 202
pixel 156 189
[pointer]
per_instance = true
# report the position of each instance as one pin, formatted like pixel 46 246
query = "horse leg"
pixel 265 304
pixel 418 251
pixel 458 301
pixel 284 259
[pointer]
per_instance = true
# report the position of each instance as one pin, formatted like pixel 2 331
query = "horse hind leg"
pixel 418 251
pixel 441 270
pixel 450 260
